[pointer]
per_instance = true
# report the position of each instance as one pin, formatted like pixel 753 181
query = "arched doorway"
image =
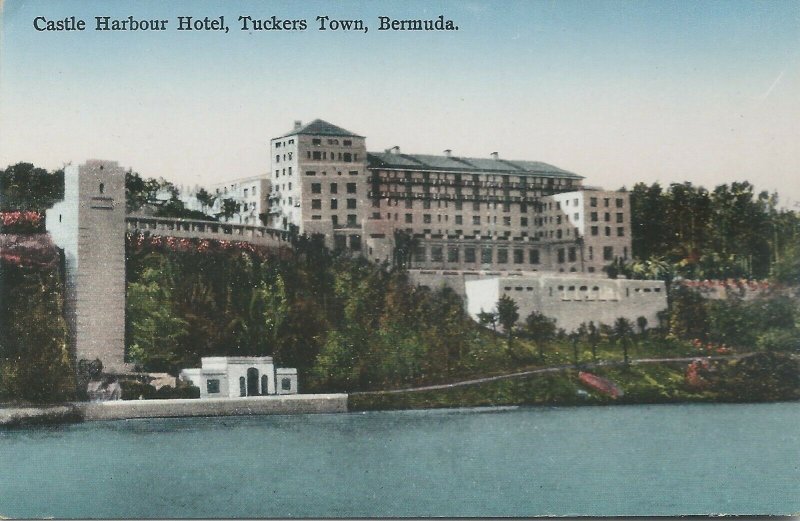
pixel 264 385
pixel 252 382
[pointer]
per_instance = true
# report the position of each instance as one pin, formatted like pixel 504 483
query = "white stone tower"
pixel 89 225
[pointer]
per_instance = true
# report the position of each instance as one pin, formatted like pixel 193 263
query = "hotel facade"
pixel 445 212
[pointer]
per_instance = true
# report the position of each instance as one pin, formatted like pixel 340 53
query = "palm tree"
pixel 541 329
pixel 507 315
pixel 623 330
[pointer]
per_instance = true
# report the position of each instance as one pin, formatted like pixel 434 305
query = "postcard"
pixel 378 259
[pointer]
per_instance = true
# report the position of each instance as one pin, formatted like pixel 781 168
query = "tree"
pixel 623 331
pixel 205 199
pixel 593 336
pixel 228 209
pixel 540 329
pixel 507 315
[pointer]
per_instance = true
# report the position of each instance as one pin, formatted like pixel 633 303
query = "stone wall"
pixel 254 405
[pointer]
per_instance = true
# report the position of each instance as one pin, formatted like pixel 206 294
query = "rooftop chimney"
pixel 395 150
pixel 448 153
pixel 297 124
pixel 495 155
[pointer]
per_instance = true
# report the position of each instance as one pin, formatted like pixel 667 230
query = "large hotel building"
pixel 449 212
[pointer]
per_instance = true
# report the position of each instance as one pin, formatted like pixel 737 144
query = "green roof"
pixel 465 164
pixel 319 127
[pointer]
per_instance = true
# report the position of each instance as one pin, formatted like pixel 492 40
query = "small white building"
pixel 237 376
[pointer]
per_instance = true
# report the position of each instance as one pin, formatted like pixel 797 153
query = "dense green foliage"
pixel 730 231
pixel 345 323
pixel 34 358
pixel 26 187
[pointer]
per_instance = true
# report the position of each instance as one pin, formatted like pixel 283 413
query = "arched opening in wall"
pixel 242 386
pixel 252 382
pixel 264 384
pixel 102 188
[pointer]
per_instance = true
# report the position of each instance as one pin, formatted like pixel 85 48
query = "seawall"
pixel 254 405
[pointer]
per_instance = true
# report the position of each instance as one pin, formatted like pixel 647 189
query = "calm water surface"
pixel 627 460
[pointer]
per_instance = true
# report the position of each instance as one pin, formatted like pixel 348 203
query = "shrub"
pixel 133 390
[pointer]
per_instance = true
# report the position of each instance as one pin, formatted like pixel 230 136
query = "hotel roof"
pixel 319 127
pixel 465 164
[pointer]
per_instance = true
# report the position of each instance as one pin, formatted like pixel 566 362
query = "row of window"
pixel 607 217
pixel 278 144
pixel 318 155
pixel 316 204
pixel 316 188
pixel 352 220
pixel 471 255
pixel 465 179
pixel 595 230
pixel 286 157
pixel 213 385
pixel 332 141
pixel 606 202
pixel 314 172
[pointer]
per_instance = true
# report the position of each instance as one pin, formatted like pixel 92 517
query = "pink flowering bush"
pixel 23 222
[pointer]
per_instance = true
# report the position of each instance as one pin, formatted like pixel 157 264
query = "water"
pixel 627 460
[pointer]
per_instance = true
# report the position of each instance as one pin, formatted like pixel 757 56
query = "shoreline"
pixel 72 413
pixel 77 412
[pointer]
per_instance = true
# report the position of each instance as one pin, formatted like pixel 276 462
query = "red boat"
pixel 600 384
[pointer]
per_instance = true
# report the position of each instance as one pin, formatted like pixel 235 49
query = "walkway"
pixel 551 369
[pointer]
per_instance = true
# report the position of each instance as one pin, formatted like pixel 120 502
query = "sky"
pixel 619 92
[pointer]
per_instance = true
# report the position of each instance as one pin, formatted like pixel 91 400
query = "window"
pixel 316 217
pixel 606 202
pixel 591 253
pixel 620 217
pixel 351 188
pixel 286 383
pixel 452 254
pixel 419 254
pixel 316 141
pixel 103 188
pixel 469 255
pixel 316 155
pixel 533 256
pixel 476 219
pixel 348 157
pixel 426 205
pixel 351 204
pixel 608 253
pixel 593 217
pixel 459 219
pixel 316 188
pixel 334 188
pixel 437 254
pixel 351 220
pixel 278 158
pixel 595 230
pixel 572 254
pixel 409 204
pixel 486 255
pixel 502 256
pixel 409 218
pixel 523 221
pixel 507 221
pixel 264 384
pixel 519 256
pixel 620 231
pixel 608 231
pixel 242 386
pixel 593 202
pixel 619 203
pixel 212 386
pixel 607 217
pixel 426 218
pixel 311 172
pixel 335 222
pixel 459 204
pixel 277 144
pixel 334 204
pixel 316 204
pixel 353 172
